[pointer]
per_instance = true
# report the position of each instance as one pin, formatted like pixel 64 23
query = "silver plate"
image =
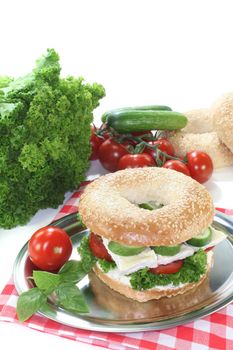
pixel 112 312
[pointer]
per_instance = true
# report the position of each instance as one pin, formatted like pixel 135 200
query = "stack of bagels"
pixel 208 130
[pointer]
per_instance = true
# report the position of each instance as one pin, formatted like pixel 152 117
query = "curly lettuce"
pixel 192 270
pixel 45 132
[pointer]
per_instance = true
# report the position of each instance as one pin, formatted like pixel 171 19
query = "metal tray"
pixel 112 312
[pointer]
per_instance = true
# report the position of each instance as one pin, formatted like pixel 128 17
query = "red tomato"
pixel 97 247
pixel 49 248
pixel 177 165
pixel 110 152
pixel 135 161
pixel 141 133
pixel 95 144
pixel 173 267
pixel 200 166
pixel 208 249
pixel 163 145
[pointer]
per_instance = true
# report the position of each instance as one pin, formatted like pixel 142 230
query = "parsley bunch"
pixel 44 138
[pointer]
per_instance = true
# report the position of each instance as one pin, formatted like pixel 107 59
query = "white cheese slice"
pixel 129 264
pixel 148 258
pixel 184 252
pixel 217 237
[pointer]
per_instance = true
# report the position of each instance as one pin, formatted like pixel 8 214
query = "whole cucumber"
pixel 139 108
pixel 134 120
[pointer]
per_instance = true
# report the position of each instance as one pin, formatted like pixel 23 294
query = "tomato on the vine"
pixel 95 144
pixel 104 132
pixel 177 165
pixel 49 248
pixel 173 267
pixel 110 152
pixel 200 165
pixel 163 145
pixel 146 134
pixel 135 161
pixel 141 133
pixel 97 247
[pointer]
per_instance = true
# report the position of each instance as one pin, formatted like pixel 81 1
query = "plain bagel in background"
pixel 222 114
pixel 199 134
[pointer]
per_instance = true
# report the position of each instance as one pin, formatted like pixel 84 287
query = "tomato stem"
pixel 160 156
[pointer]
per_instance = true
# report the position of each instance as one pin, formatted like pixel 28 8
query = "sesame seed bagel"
pixel 222 113
pixel 130 309
pixel 108 207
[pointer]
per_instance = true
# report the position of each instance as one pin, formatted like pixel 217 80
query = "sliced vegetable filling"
pixel 167 263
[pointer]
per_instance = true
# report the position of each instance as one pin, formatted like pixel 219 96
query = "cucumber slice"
pixel 202 239
pixel 124 250
pixel 150 206
pixel 167 250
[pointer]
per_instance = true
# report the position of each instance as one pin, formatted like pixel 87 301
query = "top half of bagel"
pixel 108 207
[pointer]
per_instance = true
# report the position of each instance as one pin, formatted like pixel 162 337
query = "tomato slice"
pixel 173 267
pixel 97 247
pixel 208 249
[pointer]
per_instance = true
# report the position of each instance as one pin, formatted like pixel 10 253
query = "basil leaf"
pixel 72 271
pixel 30 302
pixel 46 281
pixel 70 298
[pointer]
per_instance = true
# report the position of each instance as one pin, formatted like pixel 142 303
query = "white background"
pixel 173 52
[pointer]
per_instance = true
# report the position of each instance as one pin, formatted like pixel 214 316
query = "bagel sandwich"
pixel 150 232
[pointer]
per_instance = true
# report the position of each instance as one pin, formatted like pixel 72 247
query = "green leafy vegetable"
pixel 70 298
pixel 194 266
pixel 30 302
pixel 87 258
pixel 45 132
pixel 79 219
pixel 72 271
pixel 46 281
pixel 106 265
pixel 5 81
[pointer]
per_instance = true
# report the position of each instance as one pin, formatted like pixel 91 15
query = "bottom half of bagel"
pixel 206 142
pixel 158 292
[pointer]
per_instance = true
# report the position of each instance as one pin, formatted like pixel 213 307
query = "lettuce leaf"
pixel 45 138
pixel 194 266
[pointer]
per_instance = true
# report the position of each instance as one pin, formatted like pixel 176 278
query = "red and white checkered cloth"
pixel 212 332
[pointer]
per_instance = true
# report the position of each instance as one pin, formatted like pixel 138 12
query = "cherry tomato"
pixel 49 248
pixel 141 133
pixel 95 144
pixel 173 267
pixel 110 152
pixel 135 161
pixel 200 165
pixel 177 165
pixel 97 247
pixel 163 145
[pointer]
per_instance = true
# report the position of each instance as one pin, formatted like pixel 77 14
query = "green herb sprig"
pixel 62 286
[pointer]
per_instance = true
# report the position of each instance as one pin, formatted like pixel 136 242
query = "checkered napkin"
pixel 212 332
